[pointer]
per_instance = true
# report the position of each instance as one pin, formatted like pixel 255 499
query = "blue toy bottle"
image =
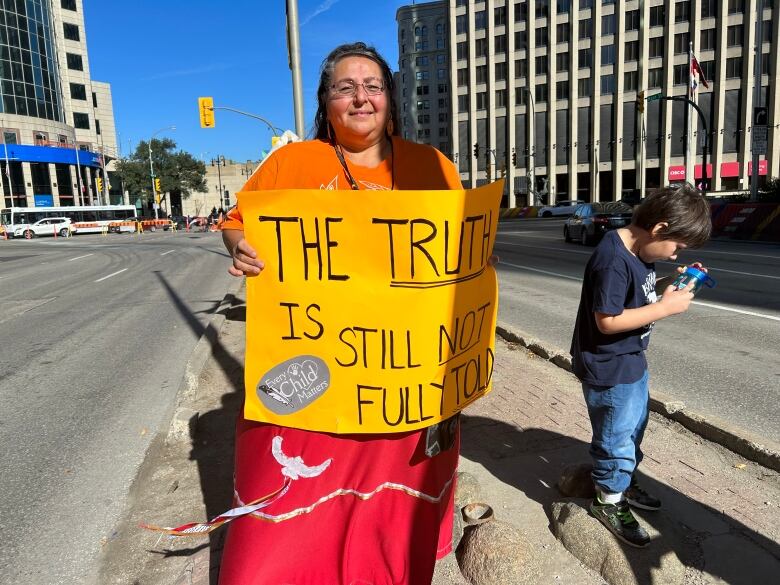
pixel 691 274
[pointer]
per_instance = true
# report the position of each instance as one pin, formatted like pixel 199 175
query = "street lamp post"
pixel 151 169
pixel 220 162
pixel 531 164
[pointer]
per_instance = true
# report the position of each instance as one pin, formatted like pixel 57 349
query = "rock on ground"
pixel 496 553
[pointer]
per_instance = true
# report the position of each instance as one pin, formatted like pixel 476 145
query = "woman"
pixel 374 534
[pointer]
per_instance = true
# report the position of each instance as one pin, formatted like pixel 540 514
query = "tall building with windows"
pixel 547 90
pixel 423 81
pixel 57 124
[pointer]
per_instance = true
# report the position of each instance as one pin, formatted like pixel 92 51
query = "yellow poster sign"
pixel 376 310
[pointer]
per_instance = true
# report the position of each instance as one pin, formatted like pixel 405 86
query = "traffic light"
pixel 476 150
pixel 99 182
pixel 157 185
pixel 640 102
pixel 514 159
pixel 206 108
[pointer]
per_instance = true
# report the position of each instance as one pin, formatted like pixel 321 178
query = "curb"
pixel 711 428
pixel 185 417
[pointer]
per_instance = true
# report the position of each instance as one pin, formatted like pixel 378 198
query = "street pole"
pixel 757 97
pixel 705 184
pixel 531 165
pixel 274 130
pixel 156 203
pixel 294 52
pixel 78 171
pixel 220 162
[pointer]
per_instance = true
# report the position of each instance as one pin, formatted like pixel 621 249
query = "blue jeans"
pixel 618 416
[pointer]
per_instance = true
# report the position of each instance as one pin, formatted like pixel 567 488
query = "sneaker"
pixel 620 522
pixel 639 498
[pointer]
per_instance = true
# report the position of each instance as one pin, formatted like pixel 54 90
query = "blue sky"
pixel 160 56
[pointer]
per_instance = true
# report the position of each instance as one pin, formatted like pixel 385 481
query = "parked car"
pixel 45 227
pixel 561 208
pixel 592 220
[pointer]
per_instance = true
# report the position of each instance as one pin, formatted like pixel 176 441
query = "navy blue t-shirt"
pixel 614 280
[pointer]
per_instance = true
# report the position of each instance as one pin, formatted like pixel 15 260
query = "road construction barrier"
pixel 747 221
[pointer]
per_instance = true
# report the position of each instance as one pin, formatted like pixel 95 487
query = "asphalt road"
pixel 96 332
pixel 720 358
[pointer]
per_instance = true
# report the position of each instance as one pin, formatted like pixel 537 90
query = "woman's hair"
pixel 684 208
pixel 326 80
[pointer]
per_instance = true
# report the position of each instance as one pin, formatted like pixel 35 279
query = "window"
pixel 767 31
pixel 657 16
pixel 439 29
pixel 422 75
pixel 521 68
pixel 463 103
pixel 562 62
pixel 68 5
pixel 423 118
pixel 709 8
pixel 607 25
pixel 441 88
pixel 584 87
pixel 632 51
pixel 421 61
pixel 74 62
pixel 461 24
pixel 421 31
pixel 422 90
pixel 81 121
pixel 521 11
pixel 479 20
pixel 608 83
pixel 499 44
pixel 442 106
pixel 462 50
pixel 734 35
pixel 630 80
pixel 521 40
pixel 501 71
pixel 463 77
pixel 681 44
pixel 520 99
pixel 423 105
pixel 585 58
pixel 542 8
pixel 708 68
pixel 586 4
pixel 78 91
pixel 734 68
pixel 439 43
pixel 586 28
pixel 656 47
pixel 562 90
pixel 632 20
pixel 708 39
pixel 655 78
pixel 541 36
pixel 71 31
pixel 682 11
pixel 441 59
pixel 499 16
pixel 443 131
pixel 421 46
pixel 501 98
pixel 736 6
pixel 481 73
pixel 681 74
pixel 607 54
pixel 541 65
pixel 482 100
pixel 563 6
pixel 480 47
pixel 442 117
pixel 562 32
pixel 541 93
pixel 441 74
pixel 97 125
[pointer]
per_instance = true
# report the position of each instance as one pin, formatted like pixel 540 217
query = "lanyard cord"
pixel 352 183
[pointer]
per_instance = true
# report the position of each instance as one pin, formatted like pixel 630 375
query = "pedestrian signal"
pixel 157 185
pixel 640 102
pixel 206 108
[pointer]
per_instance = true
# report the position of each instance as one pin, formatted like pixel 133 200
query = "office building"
pixel 57 124
pixel 547 91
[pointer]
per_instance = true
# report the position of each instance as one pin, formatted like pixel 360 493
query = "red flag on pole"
pixel 696 69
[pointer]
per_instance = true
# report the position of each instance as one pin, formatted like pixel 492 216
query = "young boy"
pixel 618 308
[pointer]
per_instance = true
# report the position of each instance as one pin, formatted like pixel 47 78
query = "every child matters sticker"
pixel 376 311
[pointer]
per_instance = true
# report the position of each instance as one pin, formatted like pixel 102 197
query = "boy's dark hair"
pixel 684 208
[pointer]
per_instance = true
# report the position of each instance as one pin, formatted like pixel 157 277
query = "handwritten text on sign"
pixel 376 311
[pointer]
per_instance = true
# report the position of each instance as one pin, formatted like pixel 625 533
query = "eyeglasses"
pixel 348 88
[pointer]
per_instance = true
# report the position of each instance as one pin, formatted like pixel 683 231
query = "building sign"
pixel 43 200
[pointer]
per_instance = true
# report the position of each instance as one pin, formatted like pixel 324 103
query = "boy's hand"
pixel 677 301
pixel 245 261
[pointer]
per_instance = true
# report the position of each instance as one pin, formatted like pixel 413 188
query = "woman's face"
pixel 360 119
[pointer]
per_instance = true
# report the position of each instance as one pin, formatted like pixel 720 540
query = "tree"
pixel 771 191
pixel 179 172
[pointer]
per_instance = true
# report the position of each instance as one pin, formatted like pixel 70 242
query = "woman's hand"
pixel 245 260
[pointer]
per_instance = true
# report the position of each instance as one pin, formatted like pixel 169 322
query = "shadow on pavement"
pixel 531 460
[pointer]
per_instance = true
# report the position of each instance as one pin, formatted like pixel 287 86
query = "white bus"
pixel 86 218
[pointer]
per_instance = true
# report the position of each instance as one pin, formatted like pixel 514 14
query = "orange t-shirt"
pixel 314 165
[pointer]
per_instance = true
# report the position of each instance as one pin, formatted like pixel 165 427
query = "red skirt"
pixel 359 509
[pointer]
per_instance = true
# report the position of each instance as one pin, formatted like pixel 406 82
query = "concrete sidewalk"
pixel 720 521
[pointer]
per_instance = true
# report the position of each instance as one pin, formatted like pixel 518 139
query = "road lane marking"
pixel 168 252
pixel 713 269
pixel 700 303
pixel 545 248
pixel 80 257
pixel 110 275
pixel 737 254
